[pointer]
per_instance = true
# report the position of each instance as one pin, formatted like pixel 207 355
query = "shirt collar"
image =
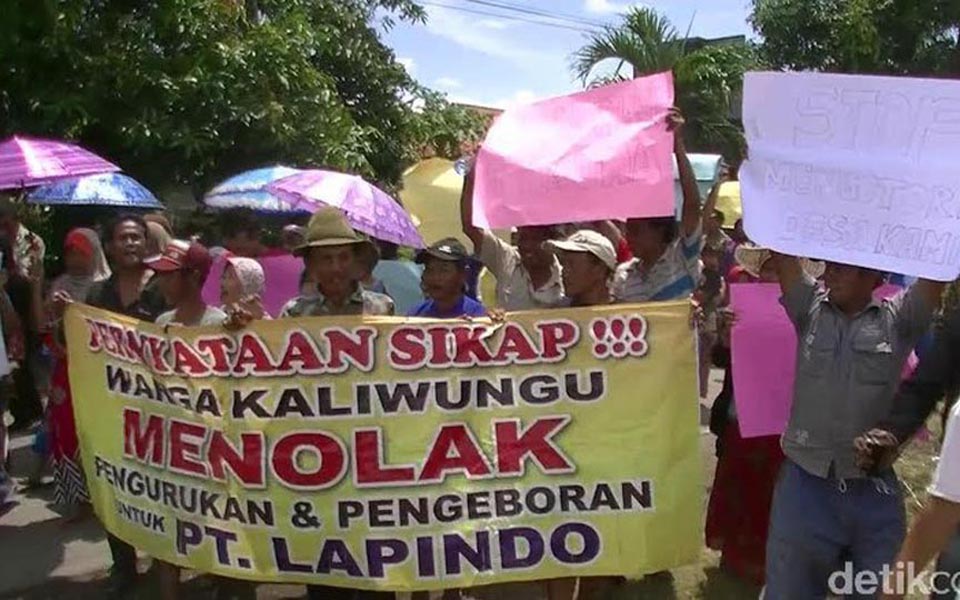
pixel 355 298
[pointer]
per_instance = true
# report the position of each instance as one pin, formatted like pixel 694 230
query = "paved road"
pixel 43 556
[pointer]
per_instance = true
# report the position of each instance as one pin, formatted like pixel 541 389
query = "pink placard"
pixel 282 273
pixel 600 154
pixel 763 354
pixel 764 351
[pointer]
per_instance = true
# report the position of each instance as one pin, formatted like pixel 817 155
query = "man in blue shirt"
pixel 444 283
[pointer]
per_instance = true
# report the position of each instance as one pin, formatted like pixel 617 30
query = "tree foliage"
pixel 708 80
pixel 190 91
pixel 916 37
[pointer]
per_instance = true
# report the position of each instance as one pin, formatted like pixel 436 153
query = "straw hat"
pixel 328 227
pixel 751 258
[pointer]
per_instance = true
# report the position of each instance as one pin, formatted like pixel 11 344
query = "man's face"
pixel 443 279
pixel 9 226
pixel 333 268
pixel 173 286
pixel 128 246
pixel 530 242
pixel 643 237
pixel 581 273
pixel 848 284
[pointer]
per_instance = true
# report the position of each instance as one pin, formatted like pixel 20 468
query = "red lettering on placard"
pixel 454 450
pixel 143 442
pixel 186 443
pixel 300 355
pixel 330 454
pixel 536 442
pixel 368 458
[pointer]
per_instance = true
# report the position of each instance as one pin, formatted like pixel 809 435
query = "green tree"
pixel 190 91
pixel 915 37
pixel 708 79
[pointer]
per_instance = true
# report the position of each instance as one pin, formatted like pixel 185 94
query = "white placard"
pixel 855 169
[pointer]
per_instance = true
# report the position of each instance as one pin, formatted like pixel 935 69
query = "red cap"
pixel 182 256
pixel 78 242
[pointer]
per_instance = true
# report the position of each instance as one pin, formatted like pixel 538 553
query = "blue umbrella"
pixel 248 190
pixel 105 189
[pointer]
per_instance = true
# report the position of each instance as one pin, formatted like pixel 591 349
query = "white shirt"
pixel 515 290
pixel 946 479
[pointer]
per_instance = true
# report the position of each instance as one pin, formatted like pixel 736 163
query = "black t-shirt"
pixel 148 306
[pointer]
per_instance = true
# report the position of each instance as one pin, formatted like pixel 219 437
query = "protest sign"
pixel 600 154
pixel 763 350
pixel 396 454
pixel 855 169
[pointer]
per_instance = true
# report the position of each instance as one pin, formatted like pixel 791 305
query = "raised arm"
pixel 466 212
pixel 711 204
pixel 789 271
pixel 690 214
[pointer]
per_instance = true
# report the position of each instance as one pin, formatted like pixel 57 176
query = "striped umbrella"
pixel 29 162
pixel 248 190
pixel 107 189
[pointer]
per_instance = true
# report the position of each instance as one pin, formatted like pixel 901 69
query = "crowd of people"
pixel 784 511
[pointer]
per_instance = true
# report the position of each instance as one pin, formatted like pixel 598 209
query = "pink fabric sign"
pixel 600 154
pixel 282 274
pixel 764 351
pixel 763 354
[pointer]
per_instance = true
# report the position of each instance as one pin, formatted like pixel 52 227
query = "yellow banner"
pixel 396 454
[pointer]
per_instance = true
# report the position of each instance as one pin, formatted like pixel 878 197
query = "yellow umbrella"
pixel 431 194
pixel 728 202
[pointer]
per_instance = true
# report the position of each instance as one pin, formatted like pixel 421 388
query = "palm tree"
pixel 708 79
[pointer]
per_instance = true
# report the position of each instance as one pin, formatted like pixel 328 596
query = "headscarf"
pixel 87 242
pixel 250 274
pixel 157 238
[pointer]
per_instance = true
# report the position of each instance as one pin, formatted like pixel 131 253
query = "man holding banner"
pixel 329 251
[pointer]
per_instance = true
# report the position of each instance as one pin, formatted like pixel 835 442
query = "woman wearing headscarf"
pixel 85 264
pixel 241 287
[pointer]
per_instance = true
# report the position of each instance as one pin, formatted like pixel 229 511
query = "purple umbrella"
pixel 368 209
pixel 28 162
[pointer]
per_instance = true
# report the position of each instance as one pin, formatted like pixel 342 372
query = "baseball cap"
pixel 180 255
pixel 590 241
pixel 448 249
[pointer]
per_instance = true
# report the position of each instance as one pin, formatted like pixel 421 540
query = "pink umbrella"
pixel 368 209
pixel 28 162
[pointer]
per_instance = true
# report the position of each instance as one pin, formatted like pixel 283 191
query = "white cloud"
pixel 519 97
pixel 448 83
pixel 409 64
pixel 604 7
pixel 493 24
pixel 462 30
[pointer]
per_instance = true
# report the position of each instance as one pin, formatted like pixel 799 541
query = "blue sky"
pixel 500 61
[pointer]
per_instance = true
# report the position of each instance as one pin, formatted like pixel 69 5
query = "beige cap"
pixel 587 240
